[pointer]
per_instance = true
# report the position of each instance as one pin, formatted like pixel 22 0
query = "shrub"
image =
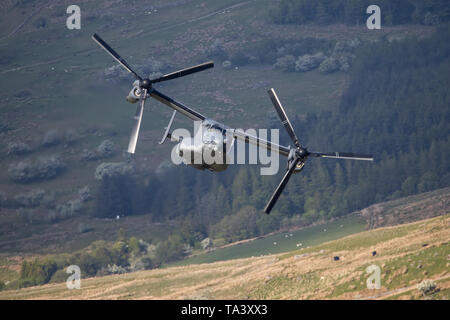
pixel 285 63
pixel 18 148
pixel 329 65
pixel 206 243
pixel 59 276
pixel 341 58
pixel 87 155
pixel 102 254
pixel 105 149
pixel 30 199
pixel 309 62
pixel 88 263
pixel 22 172
pixel 112 169
pixel 37 272
pixel 346 46
pixel 115 269
pixel 49 167
pixel 43 169
pixel 85 194
pixel 119 253
pixel 51 138
pixel 170 250
pixel 135 246
pixel 431 19
pixel 427 287
pixel 345 61
pixel 69 209
pixel 144 263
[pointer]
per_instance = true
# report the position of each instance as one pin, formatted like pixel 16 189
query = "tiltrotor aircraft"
pixel 217 138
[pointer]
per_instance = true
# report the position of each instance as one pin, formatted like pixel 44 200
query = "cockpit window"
pixel 214 127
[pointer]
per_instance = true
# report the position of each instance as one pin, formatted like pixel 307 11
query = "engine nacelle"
pixel 135 93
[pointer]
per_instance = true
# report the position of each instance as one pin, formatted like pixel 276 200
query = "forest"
pixel 353 12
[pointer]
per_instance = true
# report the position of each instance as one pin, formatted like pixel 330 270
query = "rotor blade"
pixel 114 54
pixel 137 123
pixel 283 117
pixel 184 72
pixel 280 187
pixel 342 155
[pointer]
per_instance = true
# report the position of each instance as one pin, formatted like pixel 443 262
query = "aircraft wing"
pixel 238 134
pixel 241 135
pixel 178 106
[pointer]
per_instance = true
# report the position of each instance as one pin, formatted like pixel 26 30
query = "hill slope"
pixel 59 81
pixel 383 214
pixel 406 254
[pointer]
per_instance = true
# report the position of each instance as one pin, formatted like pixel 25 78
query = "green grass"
pixel 363 240
pixel 416 267
pixel 439 294
pixel 405 271
pixel 6 273
pixel 310 236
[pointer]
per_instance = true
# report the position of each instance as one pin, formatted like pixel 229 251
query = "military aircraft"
pixel 217 138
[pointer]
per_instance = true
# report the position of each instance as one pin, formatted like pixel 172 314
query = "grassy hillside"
pixel 281 241
pixel 406 255
pixel 50 78
pixel 53 78
pixel 390 213
pixel 60 69
pixel 64 237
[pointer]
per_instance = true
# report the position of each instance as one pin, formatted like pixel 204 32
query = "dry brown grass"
pixel 283 276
